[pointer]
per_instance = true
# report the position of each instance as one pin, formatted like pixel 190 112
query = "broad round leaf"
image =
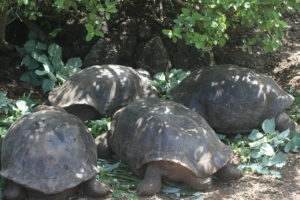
pixel 40 73
pixel 269 125
pixel 267 149
pixel 278 160
pixel 255 134
pixel 47 85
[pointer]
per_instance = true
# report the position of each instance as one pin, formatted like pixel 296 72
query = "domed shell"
pixel 105 88
pixel 152 129
pixel 232 99
pixel 48 151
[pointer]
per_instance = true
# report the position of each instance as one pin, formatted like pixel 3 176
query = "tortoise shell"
pixel 104 88
pixel 232 99
pixel 48 151
pixel 153 129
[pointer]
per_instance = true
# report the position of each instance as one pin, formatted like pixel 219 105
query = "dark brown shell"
pixel 232 99
pixel 105 88
pixel 48 151
pixel 152 129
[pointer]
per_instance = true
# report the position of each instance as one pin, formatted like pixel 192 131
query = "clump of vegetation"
pixel 166 81
pixel 206 24
pixel 44 64
pixel 98 127
pixel 10 110
pixel 264 152
pixel 25 10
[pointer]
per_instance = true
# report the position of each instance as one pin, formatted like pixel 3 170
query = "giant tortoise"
pixel 163 139
pixel 49 154
pixel 99 91
pixel 234 99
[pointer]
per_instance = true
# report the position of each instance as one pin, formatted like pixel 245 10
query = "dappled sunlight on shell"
pixel 152 129
pixel 230 98
pixel 49 151
pixel 106 88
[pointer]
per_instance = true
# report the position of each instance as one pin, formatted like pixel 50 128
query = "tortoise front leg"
pixel 14 191
pixel 152 180
pixel 229 172
pixel 94 188
pixel 103 149
pixel 283 122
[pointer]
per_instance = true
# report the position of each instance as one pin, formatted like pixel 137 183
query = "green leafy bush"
pixel 166 81
pixel 96 10
pixel 262 151
pixel 44 64
pixel 207 23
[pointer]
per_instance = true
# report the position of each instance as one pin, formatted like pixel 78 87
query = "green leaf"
pixel 52 77
pixel 40 73
pixel 55 51
pixel 107 16
pixel 41 46
pixel 89 28
pixel 89 36
pixel 160 76
pixel 168 32
pixel 109 168
pixel 283 134
pixel 47 85
pixel 33 65
pixel 214 24
pixel 59 3
pixel 256 154
pixel 276 174
pixel 170 190
pixel 256 143
pixel 255 134
pixel 99 33
pixel 221 137
pixel 55 32
pixel 267 149
pixel 196 15
pixel 42 58
pixel 73 63
pixel 29 46
pixel 268 126
pixel 278 160
pixel 288 147
pixel 22 106
pixel 255 166
pixel 26 61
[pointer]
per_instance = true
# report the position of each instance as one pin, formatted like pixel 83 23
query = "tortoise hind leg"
pixel 14 191
pixel 94 188
pixel 229 172
pixel 198 183
pixel 152 180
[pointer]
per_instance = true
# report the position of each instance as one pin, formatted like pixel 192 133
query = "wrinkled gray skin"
pixel 49 154
pixel 160 139
pixel 234 99
pixel 99 91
